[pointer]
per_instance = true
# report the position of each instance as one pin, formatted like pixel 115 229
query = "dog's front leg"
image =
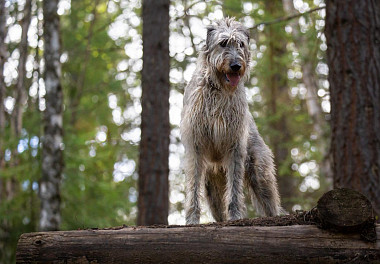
pixel 234 192
pixel 194 166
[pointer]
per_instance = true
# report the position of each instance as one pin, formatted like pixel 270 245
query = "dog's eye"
pixel 223 44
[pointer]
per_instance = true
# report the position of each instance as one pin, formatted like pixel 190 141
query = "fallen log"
pixel 258 244
pixel 231 242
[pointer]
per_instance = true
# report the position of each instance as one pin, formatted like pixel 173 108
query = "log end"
pixel 344 208
pixel 348 211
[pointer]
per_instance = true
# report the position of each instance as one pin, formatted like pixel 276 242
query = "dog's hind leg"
pixel 260 176
pixel 215 185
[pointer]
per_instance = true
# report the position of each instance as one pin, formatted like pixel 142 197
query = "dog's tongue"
pixel 233 78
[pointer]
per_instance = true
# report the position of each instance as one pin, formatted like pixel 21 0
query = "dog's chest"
pixel 222 120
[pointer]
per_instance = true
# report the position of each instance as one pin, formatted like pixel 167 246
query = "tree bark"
pixel 353 55
pixel 153 202
pixel 52 149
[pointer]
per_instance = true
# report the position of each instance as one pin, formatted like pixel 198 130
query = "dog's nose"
pixel 235 66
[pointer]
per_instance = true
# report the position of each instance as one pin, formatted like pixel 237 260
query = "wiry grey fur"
pixel 223 146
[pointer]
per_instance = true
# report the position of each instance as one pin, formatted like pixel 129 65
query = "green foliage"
pixel 91 197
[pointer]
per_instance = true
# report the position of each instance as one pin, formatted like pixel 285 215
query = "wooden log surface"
pixel 198 244
pixel 352 237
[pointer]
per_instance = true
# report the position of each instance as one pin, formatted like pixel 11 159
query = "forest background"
pixel 101 57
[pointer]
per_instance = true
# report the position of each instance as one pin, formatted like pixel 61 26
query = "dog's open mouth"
pixel 233 78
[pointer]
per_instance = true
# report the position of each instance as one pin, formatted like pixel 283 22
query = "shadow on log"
pixel 294 238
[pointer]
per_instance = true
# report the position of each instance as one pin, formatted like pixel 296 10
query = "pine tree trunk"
pixel 153 183
pixel 353 39
pixel 52 154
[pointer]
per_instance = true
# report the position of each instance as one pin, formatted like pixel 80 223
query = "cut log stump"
pixel 294 238
pixel 347 210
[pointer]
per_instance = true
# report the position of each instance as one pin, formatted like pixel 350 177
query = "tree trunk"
pixel 276 87
pixel 308 72
pixel 52 149
pixel 353 35
pixel 79 88
pixel 3 57
pixel 21 90
pixel 12 184
pixel 309 77
pixel 153 203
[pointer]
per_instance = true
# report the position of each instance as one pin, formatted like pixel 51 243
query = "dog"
pixel 223 148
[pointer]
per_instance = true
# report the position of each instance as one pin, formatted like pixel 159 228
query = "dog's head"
pixel 227 52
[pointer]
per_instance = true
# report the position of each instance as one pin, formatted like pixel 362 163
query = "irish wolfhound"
pixel 223 148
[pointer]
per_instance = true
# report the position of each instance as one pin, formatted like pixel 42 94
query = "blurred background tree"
pixel 101 57
pixel 153 182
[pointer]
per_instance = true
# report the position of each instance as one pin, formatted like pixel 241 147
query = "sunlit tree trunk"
pixel 308 72
pixel 21 90
pixel 3 56
pixel 276 87
pixel 79 88
pixel 153 204
pixel 309 78
pixel 52 149
pixel 353 39
pixel 11 184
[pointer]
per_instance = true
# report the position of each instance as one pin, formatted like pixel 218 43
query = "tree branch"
pixel 287 18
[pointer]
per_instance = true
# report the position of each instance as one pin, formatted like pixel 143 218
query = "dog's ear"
pixel 246 33
pixel 210 35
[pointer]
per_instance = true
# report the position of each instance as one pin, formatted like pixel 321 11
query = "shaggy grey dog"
pixel 223 148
